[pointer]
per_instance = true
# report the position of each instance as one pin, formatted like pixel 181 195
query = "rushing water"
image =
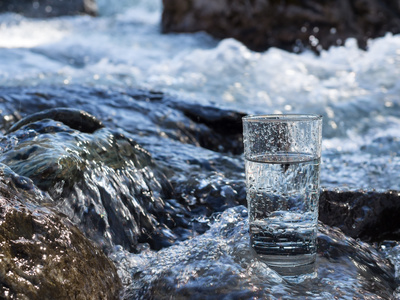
pixel 219 264
pixel 96 63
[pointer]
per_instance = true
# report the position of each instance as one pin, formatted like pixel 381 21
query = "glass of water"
pixel 282 154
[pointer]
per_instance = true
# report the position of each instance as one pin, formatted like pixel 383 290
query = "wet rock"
pixel 190 123
pixel 104 182
pixel 190 167
pixel 225 127
pixel 49 8
pixel 204 126
pixel 290 25
pixel 75 119
pixel 42 255
pixel 368 215
pixel 112 188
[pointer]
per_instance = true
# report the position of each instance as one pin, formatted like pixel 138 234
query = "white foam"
pixel 28 33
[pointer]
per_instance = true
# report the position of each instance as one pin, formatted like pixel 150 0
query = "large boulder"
pixel 43 256
pixel 291 25
pixel 49 8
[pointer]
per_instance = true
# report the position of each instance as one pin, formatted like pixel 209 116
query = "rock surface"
pixel 290 25
pixel 42 256
pixel 49 8
pixel 104 182
pixel 113 189
pixel 368 215
pixel 76 119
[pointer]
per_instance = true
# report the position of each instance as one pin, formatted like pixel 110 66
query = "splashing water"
pixel 219 263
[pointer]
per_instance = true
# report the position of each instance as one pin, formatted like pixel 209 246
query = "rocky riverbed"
pixel 144 175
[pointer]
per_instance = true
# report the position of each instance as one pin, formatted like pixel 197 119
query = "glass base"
pixel 293 268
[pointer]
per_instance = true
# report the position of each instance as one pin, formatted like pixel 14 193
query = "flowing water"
pixel 158 167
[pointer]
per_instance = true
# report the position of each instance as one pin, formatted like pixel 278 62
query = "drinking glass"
pixel 282 161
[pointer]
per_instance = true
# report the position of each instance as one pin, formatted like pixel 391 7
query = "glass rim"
pixel 282 117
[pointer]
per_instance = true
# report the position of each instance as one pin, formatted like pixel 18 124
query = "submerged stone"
pixel 224 126
pixel 42 255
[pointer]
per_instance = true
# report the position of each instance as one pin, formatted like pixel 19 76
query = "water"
pixel 94 64
pixel 220 265
pixel 282 197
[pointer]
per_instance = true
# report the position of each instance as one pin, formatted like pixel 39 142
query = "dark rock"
pixel 213 128
pixel 43 256
pixel 75 119
pixel 226 127
pixel 368 215
pixel 49 8
pixel 290 25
